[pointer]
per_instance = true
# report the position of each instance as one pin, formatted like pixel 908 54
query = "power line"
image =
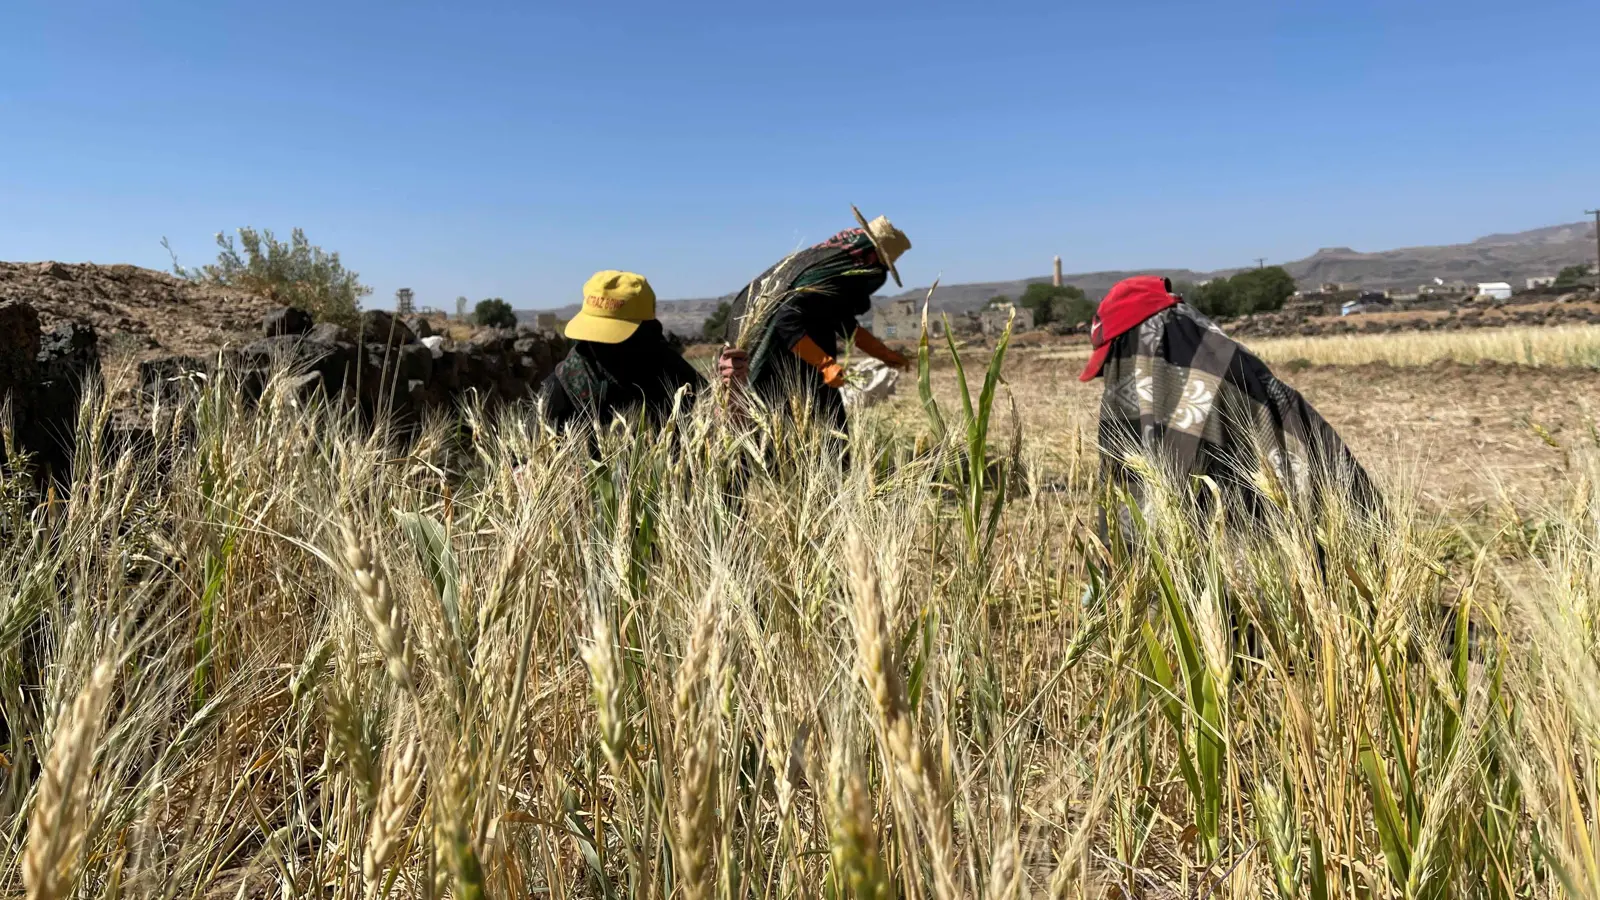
pixel 1261 261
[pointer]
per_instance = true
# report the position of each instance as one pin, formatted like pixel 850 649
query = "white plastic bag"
pixel 867 383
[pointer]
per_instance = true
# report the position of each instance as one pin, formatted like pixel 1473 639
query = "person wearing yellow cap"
pixel 816 296
pixel 620 359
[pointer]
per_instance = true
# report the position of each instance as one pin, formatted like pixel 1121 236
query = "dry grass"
pixel 714 663
pixel 1566 346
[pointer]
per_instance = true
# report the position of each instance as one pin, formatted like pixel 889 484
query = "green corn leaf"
pixel 925 372
pixel 961 372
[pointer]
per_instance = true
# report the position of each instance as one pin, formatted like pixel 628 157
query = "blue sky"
pixel 510 149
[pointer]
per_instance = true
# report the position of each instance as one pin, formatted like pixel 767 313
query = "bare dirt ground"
pixel 1465 436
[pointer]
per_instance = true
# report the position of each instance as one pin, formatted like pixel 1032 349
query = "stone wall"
pixel 383 363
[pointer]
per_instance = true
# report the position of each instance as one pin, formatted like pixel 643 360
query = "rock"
pixel 168 379
pixel 414 362
pixel 332 361
pixel 303 387
pixel 447 371
pixel 68 362
pixel 434 343
pixel 420 326
pixel 286 320
pixel 55 270
pixel 493 340
pixel 19 352
pixel 330 333
pixel 380 326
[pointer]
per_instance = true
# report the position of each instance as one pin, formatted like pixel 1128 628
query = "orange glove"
pixel 817 358
pixel 869 343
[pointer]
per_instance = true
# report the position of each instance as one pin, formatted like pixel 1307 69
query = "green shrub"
pixel 296 273
pixel 494 313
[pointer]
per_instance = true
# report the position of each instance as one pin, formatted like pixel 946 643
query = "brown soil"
pixel 138 311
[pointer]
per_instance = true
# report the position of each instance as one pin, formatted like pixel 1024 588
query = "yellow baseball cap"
pixel 614 303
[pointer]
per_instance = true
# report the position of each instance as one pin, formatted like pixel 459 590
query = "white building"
pixel 1494 290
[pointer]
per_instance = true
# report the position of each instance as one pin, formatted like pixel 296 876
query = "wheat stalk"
pixel 696 736
pixel 58 824
pixel 910 759
pixel 764 296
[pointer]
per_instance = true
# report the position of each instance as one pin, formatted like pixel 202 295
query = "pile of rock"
pixel 385 363
pixel 42 376
pixel 133 309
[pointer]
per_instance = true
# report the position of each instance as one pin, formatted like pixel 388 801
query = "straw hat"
pixel 614 304
pixel 888 240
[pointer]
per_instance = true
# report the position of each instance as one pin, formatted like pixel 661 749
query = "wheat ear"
pixel 61 807
pixel 394 805
pixel 382 612
pixel 853 838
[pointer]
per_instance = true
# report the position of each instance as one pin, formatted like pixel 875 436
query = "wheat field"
pixel 276 654
pixel 1559 346
pixel 1562 346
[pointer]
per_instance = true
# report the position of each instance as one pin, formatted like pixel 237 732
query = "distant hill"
pixel 1496 257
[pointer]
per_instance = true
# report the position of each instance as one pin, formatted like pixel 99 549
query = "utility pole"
pixel 1261 262
pixel 1596 214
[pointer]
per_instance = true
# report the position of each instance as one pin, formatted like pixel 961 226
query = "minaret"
pixel 1057 279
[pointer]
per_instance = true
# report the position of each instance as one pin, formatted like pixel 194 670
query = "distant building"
pixel 1542 281
pixel 1440 286
pixel 1335 287
pixel 547 323
pixel 902 320
pixel 992 319
pixel 1494 290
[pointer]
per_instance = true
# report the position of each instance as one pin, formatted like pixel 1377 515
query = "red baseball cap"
pixel 1131 302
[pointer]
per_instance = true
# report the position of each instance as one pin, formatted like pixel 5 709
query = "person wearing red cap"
pixel 1196 402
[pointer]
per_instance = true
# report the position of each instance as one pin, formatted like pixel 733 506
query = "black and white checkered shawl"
pixel 1198 403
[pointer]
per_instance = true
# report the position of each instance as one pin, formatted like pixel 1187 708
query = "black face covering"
pixel 633 359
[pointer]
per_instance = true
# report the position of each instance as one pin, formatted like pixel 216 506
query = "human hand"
pixel 896 361
pixel 733 366
pixel 833 375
